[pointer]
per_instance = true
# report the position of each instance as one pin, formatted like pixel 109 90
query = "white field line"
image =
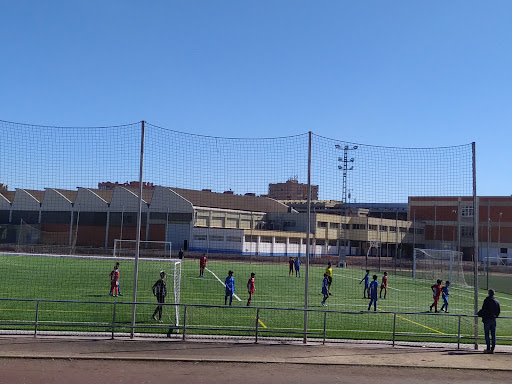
pixel 214 275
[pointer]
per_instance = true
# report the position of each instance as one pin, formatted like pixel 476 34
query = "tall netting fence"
pixel 215 205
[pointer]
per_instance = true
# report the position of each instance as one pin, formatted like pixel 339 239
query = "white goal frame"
pixel 440 258
pixel 167 246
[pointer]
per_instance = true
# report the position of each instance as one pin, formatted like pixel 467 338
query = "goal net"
pixel 32 238
pixel 433 264
pixel 151 249
pixel 85 278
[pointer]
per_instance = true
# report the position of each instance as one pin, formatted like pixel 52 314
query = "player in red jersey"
pixel 114 281
pixel 202 265
pixel 250 288
pixel 384 285
pixel 436 290
pixel 290 271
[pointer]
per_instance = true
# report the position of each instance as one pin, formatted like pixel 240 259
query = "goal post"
pixel 148 248
pixel 433 264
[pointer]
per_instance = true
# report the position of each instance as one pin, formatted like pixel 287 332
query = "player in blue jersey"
pixel 230 288
pixel 366 280
pixel 445 294
pixel 297 264
pixel 325 288
pixel 372 292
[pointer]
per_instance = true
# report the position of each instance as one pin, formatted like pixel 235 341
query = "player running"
pixel 445 294
pixel 250 288
pixel 366 280
pixel 202 265
pixel 436 290
pixel 372 293
pixel 384 285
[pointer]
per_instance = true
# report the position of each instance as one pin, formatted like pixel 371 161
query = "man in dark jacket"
pixel 489 312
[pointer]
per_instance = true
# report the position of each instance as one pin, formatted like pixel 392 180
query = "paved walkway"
pixel 264 352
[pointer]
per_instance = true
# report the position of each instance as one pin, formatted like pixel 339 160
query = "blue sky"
pixel 391 73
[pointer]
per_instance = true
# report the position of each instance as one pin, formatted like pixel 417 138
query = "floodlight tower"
pixel 344 167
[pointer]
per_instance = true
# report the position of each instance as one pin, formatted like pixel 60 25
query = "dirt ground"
pixel 71 360
pixel 17 371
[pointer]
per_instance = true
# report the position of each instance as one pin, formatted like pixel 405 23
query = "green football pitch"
pixel 278 296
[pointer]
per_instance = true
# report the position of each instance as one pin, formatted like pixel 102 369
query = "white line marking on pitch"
pixel 234 294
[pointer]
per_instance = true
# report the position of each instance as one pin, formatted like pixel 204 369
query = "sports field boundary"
pixel 350 354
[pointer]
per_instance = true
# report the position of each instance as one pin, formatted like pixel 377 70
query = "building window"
pixel 266 239
pixel 392 229
pixel 280 240
pixel 467 232
pixel 358 226
pixel 216 238
pixel 293 240
pixel 503 250
pixel 467 211
pixel 372 227
pixel 234 239
pixel 332 243
pixel 251 239
pixel 322 224
pixel 384 228
pixel 345 226
pixel 403 230
pixel 200 237
pixel 420 231
pixel 320 242
pixel 334 225
pixel 289 224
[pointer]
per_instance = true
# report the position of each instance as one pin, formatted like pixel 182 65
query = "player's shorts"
pixel 324 291
pixel 229 292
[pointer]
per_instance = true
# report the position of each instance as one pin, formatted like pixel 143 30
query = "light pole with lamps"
pixel 344 167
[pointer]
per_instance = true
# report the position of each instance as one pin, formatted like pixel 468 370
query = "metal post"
pixel 256 327
pixel 488 241
pixel 37 318
pixel 325 326
pixel 458 334
pixel 498 254
pixel 475 246
pixel 308 235
pixel 396 238
pixel 435 225
pixel 184 321
pixel 113 321
pixel 394 328
pixel 137 235
pixel 458 229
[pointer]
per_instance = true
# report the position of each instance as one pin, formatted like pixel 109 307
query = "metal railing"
pixel 184 330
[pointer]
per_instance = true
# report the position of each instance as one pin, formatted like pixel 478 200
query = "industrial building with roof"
pixel 198 221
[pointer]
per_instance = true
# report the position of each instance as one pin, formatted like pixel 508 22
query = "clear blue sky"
pixel 391 73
